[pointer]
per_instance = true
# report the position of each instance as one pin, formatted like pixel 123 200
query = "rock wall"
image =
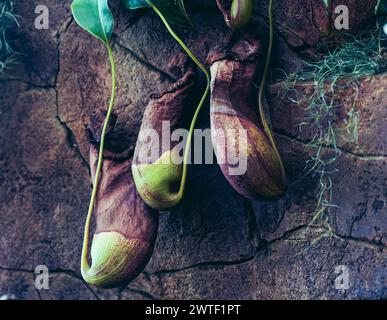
pixel 215 244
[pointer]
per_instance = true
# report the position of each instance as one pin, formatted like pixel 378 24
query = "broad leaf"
pixel 173 10
pixel 95 17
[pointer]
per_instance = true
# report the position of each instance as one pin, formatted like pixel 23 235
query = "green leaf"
pixel 326 3
pixel 135 4
pixel 95 17
pixel 173 10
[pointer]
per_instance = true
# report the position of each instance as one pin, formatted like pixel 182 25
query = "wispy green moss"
pixel 7 21
pixel 338 69
pixel 381 7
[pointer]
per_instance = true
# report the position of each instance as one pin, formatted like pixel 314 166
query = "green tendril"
pixel 85 267
pixel 262 92
pixel 202 100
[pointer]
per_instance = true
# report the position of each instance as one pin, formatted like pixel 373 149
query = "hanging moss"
pixel 357 57
pixel 7 21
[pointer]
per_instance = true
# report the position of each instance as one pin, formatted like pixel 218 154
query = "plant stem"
pixel 202 100
pixel 223 11
pixel 262 92
pixel 84 263
pixel 377 6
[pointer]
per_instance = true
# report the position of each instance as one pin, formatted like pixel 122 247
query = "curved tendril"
pixel 202 100
pixel 223 11
pixel 262 92
pixel 84 263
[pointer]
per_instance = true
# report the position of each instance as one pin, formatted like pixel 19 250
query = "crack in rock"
pixel 67 272
pixel 362 156
pixel 168 76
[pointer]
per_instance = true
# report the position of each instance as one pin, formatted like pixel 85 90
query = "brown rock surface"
pixel 215 244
